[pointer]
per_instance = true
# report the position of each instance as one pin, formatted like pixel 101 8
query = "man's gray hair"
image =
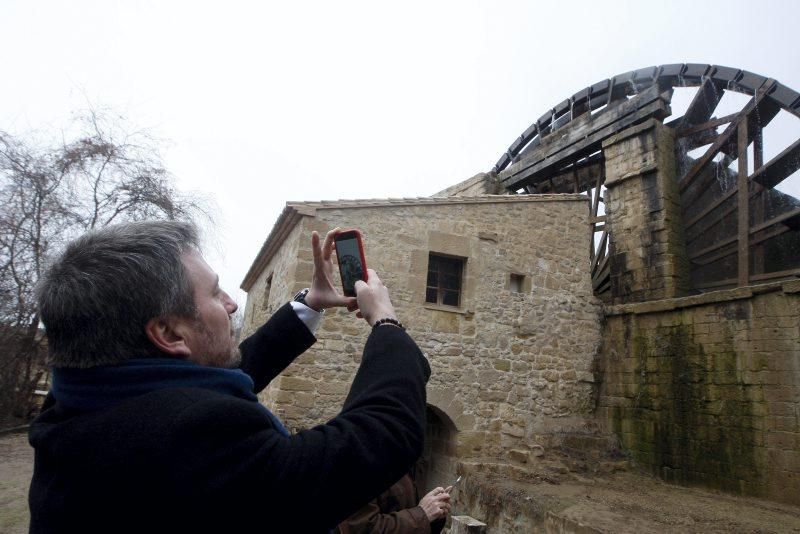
pixel 97 297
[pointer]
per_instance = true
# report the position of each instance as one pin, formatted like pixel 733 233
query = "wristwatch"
pixel 301 296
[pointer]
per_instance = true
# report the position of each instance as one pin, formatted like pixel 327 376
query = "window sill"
pixel 451 309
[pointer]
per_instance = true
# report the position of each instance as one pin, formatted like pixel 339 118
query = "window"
pixel 444 280
pixel 515 283
pixel 267 290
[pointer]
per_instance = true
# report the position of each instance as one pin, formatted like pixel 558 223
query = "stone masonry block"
pixel 464 524
pixel 290 383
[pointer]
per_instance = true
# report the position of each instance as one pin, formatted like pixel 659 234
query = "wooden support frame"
pixel 726 136
pixel 743 219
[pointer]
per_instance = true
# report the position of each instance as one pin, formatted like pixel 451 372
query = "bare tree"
pixel 50 193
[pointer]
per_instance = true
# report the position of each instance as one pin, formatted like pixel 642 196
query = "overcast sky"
pixel 266 102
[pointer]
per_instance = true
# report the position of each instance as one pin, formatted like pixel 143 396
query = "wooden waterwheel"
pixel 731 239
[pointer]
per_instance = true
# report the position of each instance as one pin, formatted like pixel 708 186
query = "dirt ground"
pixel 625 501
pixel 636 503
pixel 16 468
pixel 620 502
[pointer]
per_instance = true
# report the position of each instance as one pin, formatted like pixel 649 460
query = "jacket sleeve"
pixel 230 452
pixel 274 346
pixel 370 520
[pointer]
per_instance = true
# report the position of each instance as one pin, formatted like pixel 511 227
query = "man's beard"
pixel 218 353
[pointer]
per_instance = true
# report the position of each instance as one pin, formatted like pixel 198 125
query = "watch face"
pixel 301 295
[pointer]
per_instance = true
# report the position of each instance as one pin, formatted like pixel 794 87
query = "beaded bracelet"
pixel 389 320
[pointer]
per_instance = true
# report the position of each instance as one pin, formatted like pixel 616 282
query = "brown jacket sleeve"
pixel 370 520
pixel 395 511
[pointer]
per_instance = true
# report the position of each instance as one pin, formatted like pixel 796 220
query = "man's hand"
pixel 323 293
pixel 436 504
pixel 373 299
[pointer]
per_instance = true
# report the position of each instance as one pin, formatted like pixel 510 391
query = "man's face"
pixel 211 337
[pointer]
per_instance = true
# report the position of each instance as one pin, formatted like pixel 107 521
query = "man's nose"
pixel 230 304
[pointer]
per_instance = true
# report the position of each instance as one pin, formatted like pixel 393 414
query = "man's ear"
pixel 166 335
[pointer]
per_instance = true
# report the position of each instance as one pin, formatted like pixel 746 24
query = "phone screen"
pixel 349 256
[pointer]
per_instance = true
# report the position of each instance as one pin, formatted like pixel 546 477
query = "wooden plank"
pixel 603 272
pixel 582 148
pixel 755 229
pixel 776 274
pixel 717 284
pixel 713 123
pixel 724 138
pixel 779 168
pixel 711 207
pixel 568 180
pixel 706 158
pixel 716 257
pixel 602 259
pixel 703 104
pixel 586 137
pixel 743 196
pixel 696 140
pixel 712 248
pixel 783 217
pixel 775 232
pixel 759 206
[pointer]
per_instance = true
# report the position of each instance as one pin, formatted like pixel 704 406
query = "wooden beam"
pixel 569 179
pixel 712 248
pixel 713 123
pixel 775 232
pixel 763 226
pixel 759 206
pixel 779 168
pixel 711 207
pixel 776 274
pixel 743 196
pixel 719 283
pixel 703 104
pixel 782 218
pixel 585 138
pixel 726 136
pixel 717 256
pixel 698 139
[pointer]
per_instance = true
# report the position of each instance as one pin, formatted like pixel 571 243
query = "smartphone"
pixel 350 255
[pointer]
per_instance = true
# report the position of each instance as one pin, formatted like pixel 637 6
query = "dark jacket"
pixel 194 460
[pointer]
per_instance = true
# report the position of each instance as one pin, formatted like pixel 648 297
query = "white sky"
pixel 265 102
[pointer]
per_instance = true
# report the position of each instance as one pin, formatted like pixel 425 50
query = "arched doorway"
pixel 437 467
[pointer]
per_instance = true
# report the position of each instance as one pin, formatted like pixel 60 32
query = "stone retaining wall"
pixel 706 389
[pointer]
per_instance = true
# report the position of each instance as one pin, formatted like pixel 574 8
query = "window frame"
pixel 455 261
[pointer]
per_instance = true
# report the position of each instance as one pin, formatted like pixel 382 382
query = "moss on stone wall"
pixel 694 393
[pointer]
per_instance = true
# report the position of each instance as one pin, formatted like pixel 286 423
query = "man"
pixel 396 511
pixel 153 425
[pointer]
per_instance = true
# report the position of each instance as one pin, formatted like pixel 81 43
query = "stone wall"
pixel 646 251
pixel 480 184
pixel 263 298
pixel 706 389
pixel 504 363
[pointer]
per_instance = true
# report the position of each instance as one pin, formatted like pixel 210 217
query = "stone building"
pixel 627 288
pixel 509 324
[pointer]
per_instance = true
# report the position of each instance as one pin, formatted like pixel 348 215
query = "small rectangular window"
pixel 515 283
pixel 267 290
pixel 445 280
